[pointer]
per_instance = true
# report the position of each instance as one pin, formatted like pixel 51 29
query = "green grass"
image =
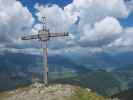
pixel 82 94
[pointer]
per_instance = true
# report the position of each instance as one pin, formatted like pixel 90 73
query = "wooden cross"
pixel 44 35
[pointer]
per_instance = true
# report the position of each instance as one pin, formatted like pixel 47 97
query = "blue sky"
pixel 125 22
pixel 31 3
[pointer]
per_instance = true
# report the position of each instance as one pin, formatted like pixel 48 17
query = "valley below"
pixel 16 73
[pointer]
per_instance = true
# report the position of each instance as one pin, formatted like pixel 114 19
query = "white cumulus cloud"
pixel 57 19
pixel 126 40
pixel 103 32
pixel 15 19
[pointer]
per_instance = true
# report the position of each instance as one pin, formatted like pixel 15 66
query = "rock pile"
pixel 38 91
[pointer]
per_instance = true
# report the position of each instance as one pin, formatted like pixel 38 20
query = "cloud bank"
pixel 93 25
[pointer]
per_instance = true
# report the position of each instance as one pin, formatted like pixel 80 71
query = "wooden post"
pixel 45 64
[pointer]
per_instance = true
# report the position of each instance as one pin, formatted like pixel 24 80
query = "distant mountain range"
pixel 19 62
pixel 104 60
pixel 93 60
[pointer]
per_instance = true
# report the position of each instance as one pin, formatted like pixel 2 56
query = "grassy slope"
pixel 82 94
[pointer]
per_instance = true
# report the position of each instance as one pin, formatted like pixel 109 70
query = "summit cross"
pixel 44 35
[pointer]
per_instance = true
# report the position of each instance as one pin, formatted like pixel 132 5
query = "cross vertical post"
pixel 45 54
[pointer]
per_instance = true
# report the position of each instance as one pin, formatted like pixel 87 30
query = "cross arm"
pixel 29 37
pixel 58 34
